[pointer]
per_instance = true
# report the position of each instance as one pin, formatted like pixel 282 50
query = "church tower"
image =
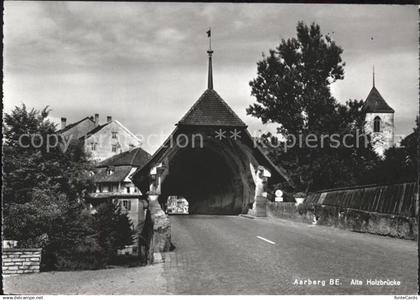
pixel 379 120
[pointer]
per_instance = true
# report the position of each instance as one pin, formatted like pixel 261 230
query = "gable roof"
pixel 135 157
pixel 211 110
pixel 100 127
pixel 277 171
pixel 95 130
pixel 74 124
pixel 119 173
pixel 376 104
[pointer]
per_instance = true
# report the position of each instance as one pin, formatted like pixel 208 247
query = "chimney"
pixel 96 119
pixel 63 122
pixel 109 119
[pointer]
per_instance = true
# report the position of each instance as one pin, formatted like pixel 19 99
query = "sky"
pixel 145 64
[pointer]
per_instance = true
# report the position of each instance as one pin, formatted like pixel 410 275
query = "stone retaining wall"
pixel 365 221
pixel 289 210
pixel 19 261
pixel 347 218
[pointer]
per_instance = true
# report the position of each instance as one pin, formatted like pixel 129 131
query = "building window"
pixel 128 190
pixel 126 204
pixel 114 134
pixel 377 124
pixel 114 148
pixel 93 146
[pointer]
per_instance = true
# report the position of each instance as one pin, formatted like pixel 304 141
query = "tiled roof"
pixel 74 124
pixel 113 195
pixel 118 174
pixel 96 129
pixel 136 157
pixel 376 104
pixel 211 110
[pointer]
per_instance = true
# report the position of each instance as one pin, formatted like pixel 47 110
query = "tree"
pixel 39 181
pixel 84 241
pixel 43 197
pixel 114 228
pixel 400 163
pixel 292 85
pixel 292 89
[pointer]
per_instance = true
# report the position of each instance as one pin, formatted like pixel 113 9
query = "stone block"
pixel 7 259
pixel 162 232
pixel 35 259
pixel 28 271
pixel 32 252
pixel 12 268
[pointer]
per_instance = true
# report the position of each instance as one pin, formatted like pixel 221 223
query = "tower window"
pixel 377 124
pixel 126 204
pixel 114 148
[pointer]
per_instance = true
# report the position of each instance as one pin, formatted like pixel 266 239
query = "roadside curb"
pixel 247 216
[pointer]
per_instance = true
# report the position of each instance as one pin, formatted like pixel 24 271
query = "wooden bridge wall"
pixel 397 199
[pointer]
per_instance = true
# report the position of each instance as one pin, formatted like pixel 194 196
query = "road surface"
pixel 237 255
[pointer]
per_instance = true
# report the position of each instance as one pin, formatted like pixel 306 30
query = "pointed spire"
pixel 210 52
pixel 373 76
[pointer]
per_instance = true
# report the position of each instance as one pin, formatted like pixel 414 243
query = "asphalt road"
pixel 222 255
pixel 236 255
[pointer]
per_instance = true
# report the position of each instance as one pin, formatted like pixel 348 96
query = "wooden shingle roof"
pixel 211 110
pixel 375 103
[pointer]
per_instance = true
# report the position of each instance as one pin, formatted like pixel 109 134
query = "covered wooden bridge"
pixel 210 159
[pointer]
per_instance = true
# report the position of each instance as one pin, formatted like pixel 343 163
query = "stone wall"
pixel 390 210
pixel 289 210
pixel 365 221
pixel 19 261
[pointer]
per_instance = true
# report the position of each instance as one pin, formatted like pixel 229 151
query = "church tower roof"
pixel 375 103
pixel 210 109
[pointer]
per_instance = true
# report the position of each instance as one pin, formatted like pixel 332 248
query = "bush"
pixel 300 195
pixel 288 197
pixel 114 228
pixel 84 241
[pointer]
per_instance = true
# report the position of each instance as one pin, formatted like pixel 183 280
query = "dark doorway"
pixel 207 179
